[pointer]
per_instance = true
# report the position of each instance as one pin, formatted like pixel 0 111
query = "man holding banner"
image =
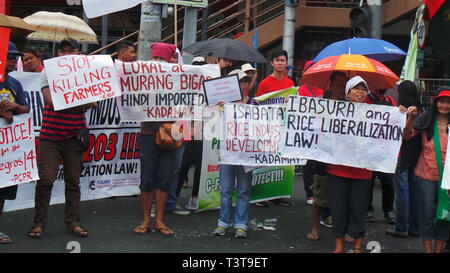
pixel 12 102
pixel 60 138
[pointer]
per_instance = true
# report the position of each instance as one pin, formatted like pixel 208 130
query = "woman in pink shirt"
pixel 426 173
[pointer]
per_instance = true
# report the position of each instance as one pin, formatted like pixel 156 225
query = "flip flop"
pixel 165 231
pixel 82 233
pixel 140 230
pixel 312 236
pixel 4 239
pixel 36 234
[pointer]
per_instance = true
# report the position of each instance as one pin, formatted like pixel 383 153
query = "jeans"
pixel 228 174
pixel 405 202
pixel 430 228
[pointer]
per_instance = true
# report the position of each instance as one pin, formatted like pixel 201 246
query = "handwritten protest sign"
pixel 17 150
pixel 225 89
pixel 155 91
pixel 79 79
pixel 446 176
pixel 344 133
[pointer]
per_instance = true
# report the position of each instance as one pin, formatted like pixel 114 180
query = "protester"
pixel 224 65
pixel 277 80
pixel 253 73
pixel 348 187
pixel 243 177
pixel 405 196
pixel 386 179
pixel 286 73
pixel 321 210
pixel 12 102
pixel 159 166
pixel 59 138
pixel 31 61
pixel 432 125
pixel 274 82
pixel 198 61
pixel 126 52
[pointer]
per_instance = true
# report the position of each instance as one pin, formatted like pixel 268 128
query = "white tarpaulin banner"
pixel 17 151
pixel 80 79
pixel 251 135
pixel 344 133
pixel 111 165
pixel 95 8
pixel 155 91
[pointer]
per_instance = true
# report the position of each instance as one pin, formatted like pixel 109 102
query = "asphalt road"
pixel 111 221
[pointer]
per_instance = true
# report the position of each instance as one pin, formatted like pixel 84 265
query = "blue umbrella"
pixel 376 49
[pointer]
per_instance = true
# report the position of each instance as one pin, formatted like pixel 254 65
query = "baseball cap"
pixel 247 67
pixel 443 91
pixel 12 49
pixel 69 41
pixel 290 67
pixel 354 82
pixel 240 73
pixel 198 59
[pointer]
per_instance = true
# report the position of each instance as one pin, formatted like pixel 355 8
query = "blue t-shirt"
pixel 11 89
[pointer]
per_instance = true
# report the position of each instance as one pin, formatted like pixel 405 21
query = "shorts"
pixel 159 167
pixel 320 190
pixel 8 193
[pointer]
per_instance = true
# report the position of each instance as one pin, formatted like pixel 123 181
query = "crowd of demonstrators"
pixel 12 102
pixel 59 139
pixel 341 196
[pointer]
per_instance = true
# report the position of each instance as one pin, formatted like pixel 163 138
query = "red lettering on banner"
pixel 14 133
pixel 74 63
pixel 26 176
pixel 213 168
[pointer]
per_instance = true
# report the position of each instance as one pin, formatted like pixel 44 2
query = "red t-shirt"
pixel 270 84
pixel 349 172
pixel 309 91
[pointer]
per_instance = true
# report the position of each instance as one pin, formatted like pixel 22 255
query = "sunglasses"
pixel 11 57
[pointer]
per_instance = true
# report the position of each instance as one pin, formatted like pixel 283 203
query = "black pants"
pixel 348 202
pixel 308 178
pixel 192 155
pixel 387 191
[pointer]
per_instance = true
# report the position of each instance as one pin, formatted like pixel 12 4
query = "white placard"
pixel 351 134
pixel 156 91
pixel 95 8
pixel 17 151
pixel 225 89
pixel 80 79
pixel 446 176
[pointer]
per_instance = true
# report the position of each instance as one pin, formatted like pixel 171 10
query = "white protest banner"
pixel 156 91
pixel 111 165
pixel 446 176
pixel 80 79
pixel 225 89
pixel 344 133
pixel 17 149
pixel 251 135
pixel 95 8
pixel 190 3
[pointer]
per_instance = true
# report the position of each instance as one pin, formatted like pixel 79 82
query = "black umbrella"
pixel 226 48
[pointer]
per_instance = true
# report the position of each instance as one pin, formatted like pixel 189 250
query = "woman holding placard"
pixel 228 175
pixel 433 126
pixel 349 187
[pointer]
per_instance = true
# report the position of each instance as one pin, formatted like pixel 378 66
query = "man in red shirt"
pixel 277 80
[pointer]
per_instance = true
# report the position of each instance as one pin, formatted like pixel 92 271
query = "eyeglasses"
pixel 11 57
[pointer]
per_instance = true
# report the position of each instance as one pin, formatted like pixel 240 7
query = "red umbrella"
pixel 376 74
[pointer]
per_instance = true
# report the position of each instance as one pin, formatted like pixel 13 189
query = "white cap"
pixel 247 67
pixel 240 74
pixel 198 59
pixel 354 82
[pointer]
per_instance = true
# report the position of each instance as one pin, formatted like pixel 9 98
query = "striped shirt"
pixel 61 125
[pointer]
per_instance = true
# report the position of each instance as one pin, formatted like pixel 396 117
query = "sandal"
pixel 36 234
pixel 140 230
pixel 312 236
pixel 4 239
pixel 165 231
pixel 78 231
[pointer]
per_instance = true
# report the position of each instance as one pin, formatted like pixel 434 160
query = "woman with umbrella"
pixel 349 187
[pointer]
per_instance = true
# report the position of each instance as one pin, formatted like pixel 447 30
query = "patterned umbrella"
pixel 56 26
pixel 376 74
